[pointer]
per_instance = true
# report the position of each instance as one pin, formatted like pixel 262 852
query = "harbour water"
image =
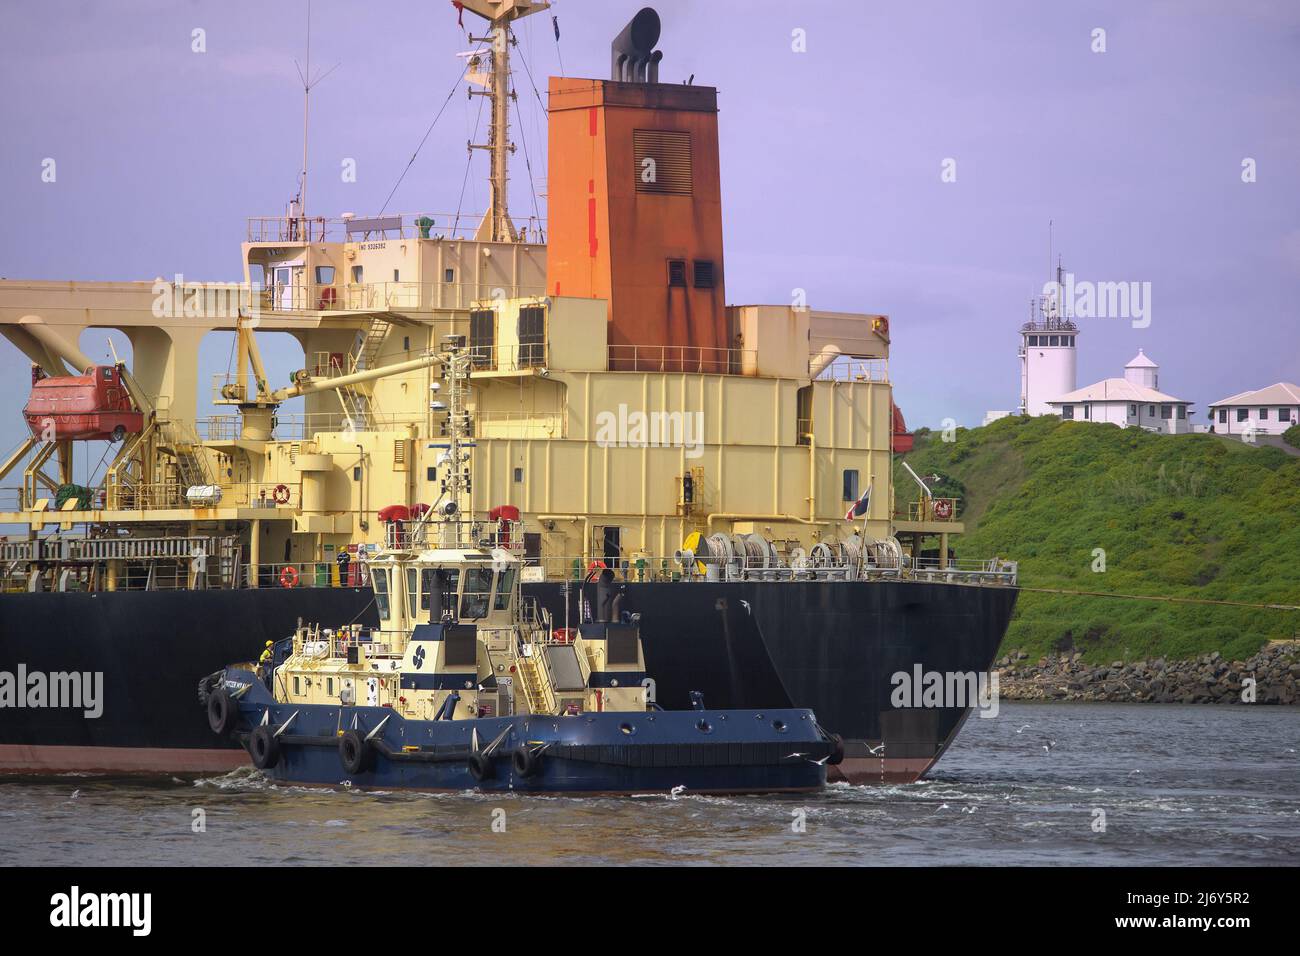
pixel 1096 784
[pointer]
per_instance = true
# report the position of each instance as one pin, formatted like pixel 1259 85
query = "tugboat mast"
pixel 496 225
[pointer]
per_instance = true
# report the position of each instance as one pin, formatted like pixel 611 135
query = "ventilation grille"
pixel 663 161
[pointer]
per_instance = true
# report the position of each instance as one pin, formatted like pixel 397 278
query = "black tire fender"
pixel 525 762
pixel 354 752
pixel 263 747
pixel 480 767
pixel 223 715
pixel 837 750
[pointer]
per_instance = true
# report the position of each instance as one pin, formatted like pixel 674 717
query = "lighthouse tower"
pixel 1048 356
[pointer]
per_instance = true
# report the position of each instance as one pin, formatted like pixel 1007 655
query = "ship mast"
pixel 496 225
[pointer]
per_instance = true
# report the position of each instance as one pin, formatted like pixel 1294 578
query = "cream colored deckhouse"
pixel 615 400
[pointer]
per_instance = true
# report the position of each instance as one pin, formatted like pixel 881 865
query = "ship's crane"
pixel 258 404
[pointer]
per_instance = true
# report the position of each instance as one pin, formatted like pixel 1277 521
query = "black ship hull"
pixel 832 646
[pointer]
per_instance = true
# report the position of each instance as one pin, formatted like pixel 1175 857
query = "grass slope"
pixel 1186 515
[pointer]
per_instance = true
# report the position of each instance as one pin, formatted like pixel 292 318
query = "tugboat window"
pixel 380 579
pixel 413 591
pixel 448 579
pixel 478 588
pixel 505 587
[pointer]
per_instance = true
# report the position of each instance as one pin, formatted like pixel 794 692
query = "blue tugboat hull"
pixel 708 751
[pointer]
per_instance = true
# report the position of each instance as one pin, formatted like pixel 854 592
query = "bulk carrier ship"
pixel 667 455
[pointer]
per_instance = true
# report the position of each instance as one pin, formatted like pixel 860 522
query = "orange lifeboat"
pixel 91 406
pixel 902 438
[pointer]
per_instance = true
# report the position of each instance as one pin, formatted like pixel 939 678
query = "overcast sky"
pixel 831 159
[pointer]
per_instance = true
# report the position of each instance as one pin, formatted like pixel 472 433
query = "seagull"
pixel 75 794
pixel 942 806
pixel 1131 772
pixel 1047 747
pixel 876 749
pixel 818 762
pixel 677 791
pixel 968 809
pixel 745 605
pixel 1022 728
pixel 795 754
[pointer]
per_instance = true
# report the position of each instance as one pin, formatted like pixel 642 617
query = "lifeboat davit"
pixel 87 407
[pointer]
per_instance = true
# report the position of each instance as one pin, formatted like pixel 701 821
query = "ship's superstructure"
pixel 617 401
pixel 730 465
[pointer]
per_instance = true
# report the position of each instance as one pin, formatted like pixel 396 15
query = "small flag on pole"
pixel 859 507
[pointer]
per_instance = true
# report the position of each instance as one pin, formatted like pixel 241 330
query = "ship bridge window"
pixel 430 590
pixel 324 275
pixel 380 581
pixel 478 589
pixel 505 588
pixel 532 336
pixel 482 336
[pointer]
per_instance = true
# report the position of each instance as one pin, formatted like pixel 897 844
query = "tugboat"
pixel 467 685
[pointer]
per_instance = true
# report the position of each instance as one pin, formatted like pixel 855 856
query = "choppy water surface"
pixel 1177 784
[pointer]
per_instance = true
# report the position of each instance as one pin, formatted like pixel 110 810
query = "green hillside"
pixel 1186 515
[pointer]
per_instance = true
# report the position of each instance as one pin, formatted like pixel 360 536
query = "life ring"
pixel 595 566
pixel 526 763
pixel 565 635
pixel 281 494
pixel 263 747
pixel 942 509
pixel 288 576
pixel 354 752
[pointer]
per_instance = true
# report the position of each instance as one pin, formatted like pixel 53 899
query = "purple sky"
pixel 831 160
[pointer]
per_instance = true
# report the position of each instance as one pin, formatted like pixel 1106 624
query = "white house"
pixel 1133 400
pixel 1265 411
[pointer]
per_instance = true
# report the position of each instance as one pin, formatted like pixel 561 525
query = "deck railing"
pixel 682 358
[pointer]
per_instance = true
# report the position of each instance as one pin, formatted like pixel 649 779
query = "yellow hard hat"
pixel 269 643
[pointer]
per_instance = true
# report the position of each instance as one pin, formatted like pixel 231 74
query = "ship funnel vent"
pixel 633 57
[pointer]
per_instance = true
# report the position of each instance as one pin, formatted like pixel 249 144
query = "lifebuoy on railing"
pixel 281 494
pixel 565 635
pixel 942 509
pixel 288 576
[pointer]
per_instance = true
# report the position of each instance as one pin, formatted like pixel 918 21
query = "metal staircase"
pixel 536 682
pixel 357 401
pixel 371 341
pixel 187 450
